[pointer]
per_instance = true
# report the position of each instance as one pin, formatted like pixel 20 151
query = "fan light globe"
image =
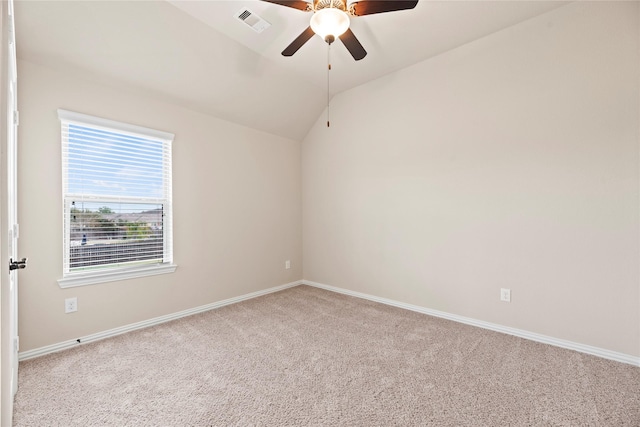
pixel 329 22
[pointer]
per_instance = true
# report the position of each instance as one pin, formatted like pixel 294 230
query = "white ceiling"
pixel 198 55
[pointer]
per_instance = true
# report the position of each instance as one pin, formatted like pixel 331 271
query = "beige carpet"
pixel 308 357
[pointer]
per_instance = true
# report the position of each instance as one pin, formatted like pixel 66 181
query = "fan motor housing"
pixel 336 4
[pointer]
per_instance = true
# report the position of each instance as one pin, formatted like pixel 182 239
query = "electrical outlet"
pixel 287 264
pixel 505 295
pixel 71 305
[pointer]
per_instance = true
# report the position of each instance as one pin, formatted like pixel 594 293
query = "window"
pixel 116 187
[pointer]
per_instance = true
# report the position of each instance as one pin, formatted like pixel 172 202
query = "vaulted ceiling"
pixel 197 54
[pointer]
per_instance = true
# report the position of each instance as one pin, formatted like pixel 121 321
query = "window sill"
pixel 84 279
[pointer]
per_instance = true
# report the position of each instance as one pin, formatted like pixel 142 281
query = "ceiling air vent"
pixel 252 20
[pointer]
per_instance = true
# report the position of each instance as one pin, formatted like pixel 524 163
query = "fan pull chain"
pixel 328 80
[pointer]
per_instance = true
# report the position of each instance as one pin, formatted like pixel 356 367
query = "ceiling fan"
pixel 331 19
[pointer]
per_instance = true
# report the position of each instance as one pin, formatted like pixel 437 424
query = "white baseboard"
pixel 595 351
pixel 37 352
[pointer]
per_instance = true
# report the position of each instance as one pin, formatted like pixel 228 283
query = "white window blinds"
pixel 117 195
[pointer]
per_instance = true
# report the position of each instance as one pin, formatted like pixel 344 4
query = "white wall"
pixel 237 211
pixel 509 162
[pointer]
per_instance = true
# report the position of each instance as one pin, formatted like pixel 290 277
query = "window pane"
pixel 106 163
pixel 114 234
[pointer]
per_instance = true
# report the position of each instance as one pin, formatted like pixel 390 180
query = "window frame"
pixel 116 273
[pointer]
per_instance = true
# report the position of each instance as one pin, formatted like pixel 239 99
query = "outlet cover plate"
pixel 505 294
pixel 71 305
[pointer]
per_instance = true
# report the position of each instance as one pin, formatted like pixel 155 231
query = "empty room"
pixel 322 212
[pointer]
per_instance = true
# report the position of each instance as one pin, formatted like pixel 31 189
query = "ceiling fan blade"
pixel 353 45
pixel 369 7
pixel 295 4
pixel 298 42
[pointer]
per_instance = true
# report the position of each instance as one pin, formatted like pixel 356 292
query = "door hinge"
pixel 17 344
pixel 16 117
pixel 15 231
